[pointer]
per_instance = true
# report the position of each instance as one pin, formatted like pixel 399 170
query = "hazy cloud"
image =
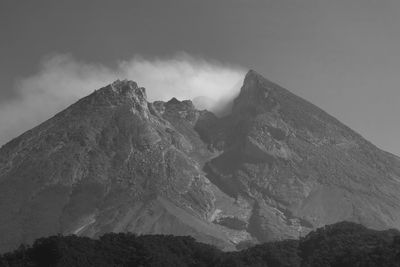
pixel 61 80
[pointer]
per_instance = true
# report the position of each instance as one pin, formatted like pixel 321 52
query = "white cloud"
pixel 61 80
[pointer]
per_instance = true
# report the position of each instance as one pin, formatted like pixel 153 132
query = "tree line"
pixel 343 244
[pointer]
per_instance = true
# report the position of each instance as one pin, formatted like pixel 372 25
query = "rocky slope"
pixel 275 168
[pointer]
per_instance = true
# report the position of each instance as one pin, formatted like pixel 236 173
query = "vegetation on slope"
pixel 342 244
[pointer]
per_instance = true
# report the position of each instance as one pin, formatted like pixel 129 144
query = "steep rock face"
pixel 275 168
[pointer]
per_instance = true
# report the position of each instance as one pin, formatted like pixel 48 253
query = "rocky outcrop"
pixel 276 167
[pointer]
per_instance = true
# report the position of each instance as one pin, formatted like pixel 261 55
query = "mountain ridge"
pixel 276 167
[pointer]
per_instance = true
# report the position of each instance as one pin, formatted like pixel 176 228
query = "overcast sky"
pixel 342 55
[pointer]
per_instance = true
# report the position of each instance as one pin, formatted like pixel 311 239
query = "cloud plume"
pixel 62 80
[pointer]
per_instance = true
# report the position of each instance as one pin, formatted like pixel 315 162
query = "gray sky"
pixel 342 55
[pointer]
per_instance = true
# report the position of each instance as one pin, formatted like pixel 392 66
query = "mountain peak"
pixel 122 88
pixel 174 101
pixel 128 87
pixel 118 93
pixel 252 75
pixel 256 90
pixel 124 84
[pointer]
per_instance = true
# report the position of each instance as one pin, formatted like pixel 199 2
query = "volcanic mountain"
pixel 276 167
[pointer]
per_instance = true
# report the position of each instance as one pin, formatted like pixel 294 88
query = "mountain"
pixel 276 167
pixel 343 245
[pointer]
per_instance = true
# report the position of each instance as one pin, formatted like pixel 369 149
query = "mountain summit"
pixel 276 167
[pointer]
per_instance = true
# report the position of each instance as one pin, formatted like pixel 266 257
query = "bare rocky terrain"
pixel 276 167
